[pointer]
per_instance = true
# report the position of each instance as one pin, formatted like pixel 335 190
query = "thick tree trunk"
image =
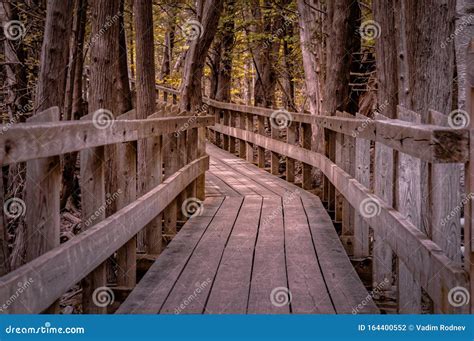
pixel 74 95
pixel 307 25
pixel 208 13
pixel 169 45
pixel 124 93
pixel 343 18
pixel 225 69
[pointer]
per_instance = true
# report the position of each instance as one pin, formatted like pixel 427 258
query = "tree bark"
pixel 224 81
pixel 124 93
pixel 208 13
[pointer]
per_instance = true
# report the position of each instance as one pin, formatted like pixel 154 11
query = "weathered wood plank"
pixel 56 271
pixel 306 282
pixel 427 142
pixel 232 282
pixel 208 251
pixel 269 261
pixel 27 141
pixel 428 259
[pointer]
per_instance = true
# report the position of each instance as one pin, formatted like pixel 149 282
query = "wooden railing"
pixel 393 185
pixel 171 176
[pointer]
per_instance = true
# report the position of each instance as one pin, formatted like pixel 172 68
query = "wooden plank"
pixel 306 283
pixel 269 271
pixel 231 285
pixel 232 123
pixel 226 122
pixel 27 141
pixel 43 183
pixel 260 150
pixel 384 185
pixel 338 197
pixel 445 198
pixel 204 262
pixel 347 291
pixel 93 212
pixel 290 163
pixel 427 142
pixel 57 270
pixel 249 127
pixel 362 174
pixel 469 176
pixel 127 184
pixel 420 254
pixel 408 201
pixel 306 135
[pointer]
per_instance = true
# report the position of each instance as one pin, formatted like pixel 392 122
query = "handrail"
pixel 430 143
pixel 39 142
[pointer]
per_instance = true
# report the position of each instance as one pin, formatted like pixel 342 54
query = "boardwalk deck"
pixel 257 237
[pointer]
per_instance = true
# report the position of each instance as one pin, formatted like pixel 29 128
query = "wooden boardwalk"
pixel 260 245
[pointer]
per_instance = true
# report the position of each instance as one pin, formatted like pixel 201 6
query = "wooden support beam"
pixel 260 150
pixel 249 127
pixel 57 270
pixel 306 135
pixel 29 141
pixel 290 163
pixel 232 123
pixel 43 183
pixel 424 259
pixel 93 212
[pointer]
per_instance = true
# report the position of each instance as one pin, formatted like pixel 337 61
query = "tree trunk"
pixel 104 75
pixel 169 45
pixel 342 21
pixel 225 69
pixel 74 95
pixel 124 93
pixel 208 13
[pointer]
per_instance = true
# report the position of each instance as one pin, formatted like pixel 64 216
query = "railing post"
pixel 249 127
pixel 306 143
pixel 362 174
pixel 92 200
pixel 409 197
pixel 242 144
pixel 384 180
pixel 290 163
pixel 469 176
pixel 232 123
pixel 226 122
pixel 218 136
pixel 338 161
pixel 261 150
pixel 127 184
pixel 330 191
pixel 182 159
pixel 274 157
pixel 43 182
